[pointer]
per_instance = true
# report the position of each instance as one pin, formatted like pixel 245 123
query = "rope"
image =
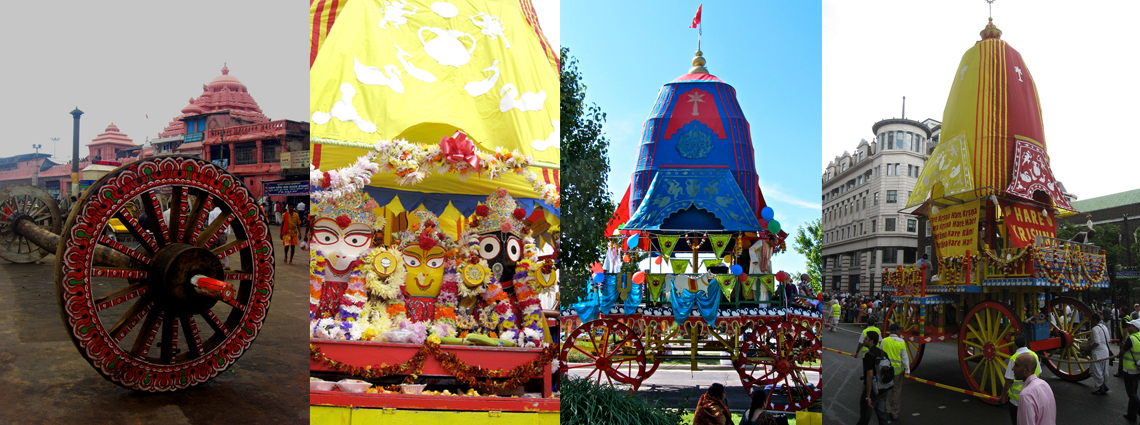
pixel 837 351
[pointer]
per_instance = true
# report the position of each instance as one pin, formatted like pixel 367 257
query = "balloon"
pixel 773 226
pixel 632 242
pixel 737 270
pixel 599 277
pixel 654 254
pixel 639 277
pixel 625 258
pixel 743 277
pixel 781 276
pixel 766 213
pixel 657 260
pixel 596 267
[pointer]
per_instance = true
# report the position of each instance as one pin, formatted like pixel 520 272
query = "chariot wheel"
pixel 906 316
pixel 786 357
pixel 1069 320
pixel 613 352
pixel 18 202
pixel 144 327
pixel 985 344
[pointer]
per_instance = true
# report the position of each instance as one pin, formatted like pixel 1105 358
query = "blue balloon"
pixel 654 254
pixel 766 213
pixel 737 270
pixel 599 277
pixel 632 242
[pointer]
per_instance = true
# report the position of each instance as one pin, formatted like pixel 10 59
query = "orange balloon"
pixel 639 277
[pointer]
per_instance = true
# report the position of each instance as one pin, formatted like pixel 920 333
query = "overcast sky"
pixel 1081 54
pixel 120 61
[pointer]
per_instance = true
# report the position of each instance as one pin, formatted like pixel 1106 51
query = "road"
pixel 928 405
pixel 43 378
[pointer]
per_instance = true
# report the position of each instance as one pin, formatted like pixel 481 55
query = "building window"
pixel 861 229
pixel 889 225
pixel 245 153
pixel 890 255
pixel 911 225
pixel 890 140
pixel 892 196
pixel 270 152
pixel 874 226
pixel 864 202
pixel 876 198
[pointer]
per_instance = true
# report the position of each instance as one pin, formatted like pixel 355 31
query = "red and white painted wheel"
pixel 786 357
pixel 613 350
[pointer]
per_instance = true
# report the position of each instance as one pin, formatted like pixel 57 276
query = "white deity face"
pixel 341 245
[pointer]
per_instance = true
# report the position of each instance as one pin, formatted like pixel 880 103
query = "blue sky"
pixel 769 51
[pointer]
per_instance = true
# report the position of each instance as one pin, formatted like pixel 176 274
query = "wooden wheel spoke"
pixel 118 273
pixel 193 340
pixel 146 335
pixel 212 231
pixel 115 245
pixel 120 296
pixel 592 356
pixel 177 196
pixel 131 318
pixel 168 347
pixel 230 248
pixel 135 228
pixel 153 210
pixel 199 214
pixel 215 323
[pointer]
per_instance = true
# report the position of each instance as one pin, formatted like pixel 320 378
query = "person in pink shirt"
pixel 1037 406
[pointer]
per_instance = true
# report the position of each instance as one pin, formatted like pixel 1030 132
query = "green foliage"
pixel 586 203
pixel 585 402
pixel 809 243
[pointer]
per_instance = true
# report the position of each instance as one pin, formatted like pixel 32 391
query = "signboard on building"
pixel 287 188
pixel 111 163
pixel 298 159
pixel 222 163
pixel 193 137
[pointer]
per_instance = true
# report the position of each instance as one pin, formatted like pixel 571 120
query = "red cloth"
pixel 711 411
pixel 697 19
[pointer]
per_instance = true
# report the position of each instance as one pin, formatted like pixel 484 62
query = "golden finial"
pixel 698 64
pixel 990 31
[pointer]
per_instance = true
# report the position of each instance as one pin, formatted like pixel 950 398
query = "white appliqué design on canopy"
pixel 950 165
pixel 445 9
pixel 478 88
pixel 373 76
pixel 1031 173
pixel 344 111
pixel 492 26
pixel 551 141
pixel 529 101
pixel 396 13
pixel 411 69
pixel 446 48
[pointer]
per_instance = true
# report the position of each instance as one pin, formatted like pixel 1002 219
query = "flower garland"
pixel 907 280
pixel 1007 266
pixel 953 269
pixel 380 286
pixel 413 162
pixel 462 371
pixel 1066 267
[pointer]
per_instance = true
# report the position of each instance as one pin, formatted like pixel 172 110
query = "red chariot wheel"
pixel 782 358
pixel 906 316
pixel 985 344
pixel 1071 321
pixel 144 327
pixel 607 347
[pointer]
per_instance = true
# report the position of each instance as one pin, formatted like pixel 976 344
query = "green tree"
pixel 586 203
pixel 809 243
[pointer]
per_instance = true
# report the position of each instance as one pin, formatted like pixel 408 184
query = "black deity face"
pixel 502 252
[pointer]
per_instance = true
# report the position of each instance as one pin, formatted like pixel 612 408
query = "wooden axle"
pixel 104 256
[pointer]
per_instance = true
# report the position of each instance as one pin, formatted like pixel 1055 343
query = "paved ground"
pixel 43 379
pixel 928 405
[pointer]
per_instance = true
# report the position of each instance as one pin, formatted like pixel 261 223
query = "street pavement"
pixel 928 405
pixel 43 378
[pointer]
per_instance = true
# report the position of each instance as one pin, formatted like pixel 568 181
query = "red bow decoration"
pixel 458 148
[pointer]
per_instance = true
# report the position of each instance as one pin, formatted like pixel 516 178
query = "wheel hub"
pixel 783 366
pixel 1066 339
pixel 171 271
pixel 989 350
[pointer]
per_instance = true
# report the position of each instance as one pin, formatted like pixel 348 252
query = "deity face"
pixel 425 270
pixel 341 246
pixel 502 252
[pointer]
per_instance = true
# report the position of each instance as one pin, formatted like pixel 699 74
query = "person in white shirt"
pixel 1099 339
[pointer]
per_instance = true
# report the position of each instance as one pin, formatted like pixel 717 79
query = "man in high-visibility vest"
pixel 895 348
pixel 835 311
pixel 1013 386
pixel 1130 355
pixel 870 328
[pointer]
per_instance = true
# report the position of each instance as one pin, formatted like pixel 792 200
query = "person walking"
pixel 871 403
pixel 861 350
pixel 712 409
pixel 1013 384
pixel 1129 355
pixel 278 209
pixel 895 348
pixel 835 311
pixel 290 229
pixel 1037 405
pixel 1099 350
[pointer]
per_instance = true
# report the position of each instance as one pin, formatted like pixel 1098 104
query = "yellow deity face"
pixel 425 270
pixel 341 246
